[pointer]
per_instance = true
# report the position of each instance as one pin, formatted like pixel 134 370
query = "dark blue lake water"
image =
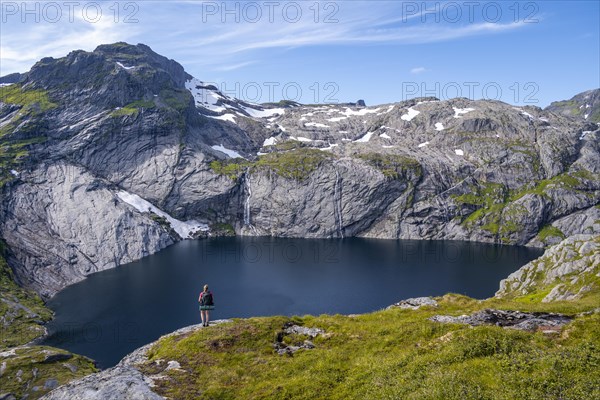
pixel 113 312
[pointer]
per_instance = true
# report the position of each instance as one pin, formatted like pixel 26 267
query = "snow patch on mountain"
pixel 525 113
pixel 268 112
pixel 224 117
pixel 230 153
pixel 269 142
pixel 583 134
pixel 365 138
pixel 460 111
pixel 410 114
pixel 316 125
pixel 331 146
pixel 124 67
pixel 185 229
pixel 204 97
pixel 337 119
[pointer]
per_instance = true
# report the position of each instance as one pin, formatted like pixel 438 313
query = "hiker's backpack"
pixel 207 299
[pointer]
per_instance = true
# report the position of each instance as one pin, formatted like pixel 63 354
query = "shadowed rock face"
pixel 123 118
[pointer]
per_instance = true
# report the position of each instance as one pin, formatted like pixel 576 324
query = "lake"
pixel 114 312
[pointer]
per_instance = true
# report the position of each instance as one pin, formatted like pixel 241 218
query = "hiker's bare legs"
pixel 204 317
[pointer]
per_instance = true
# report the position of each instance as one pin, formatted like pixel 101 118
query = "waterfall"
pixel 248 190
pixel 337 203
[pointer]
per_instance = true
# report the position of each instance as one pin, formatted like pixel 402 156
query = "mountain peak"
pixel 585 105
pixel 123 49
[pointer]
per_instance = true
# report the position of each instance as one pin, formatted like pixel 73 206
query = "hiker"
pixel 206 303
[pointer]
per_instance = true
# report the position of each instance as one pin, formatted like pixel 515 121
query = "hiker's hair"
pixel 206 288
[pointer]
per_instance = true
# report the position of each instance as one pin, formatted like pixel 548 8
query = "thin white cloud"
pixel 25 44
pixel 180 30
pixel 417 70
pixel 233 67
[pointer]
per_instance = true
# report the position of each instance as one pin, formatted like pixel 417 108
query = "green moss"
pixel 512 215
pixel 570 105
pixel 495 209
pixel 232 168
pixel 490 198
pixel 534 297
pixel 12 153
pixel 528 150
pixel 222 229
pixel 486 193
pixel 583 282
pixel 289 145
pixel 21 310
pixel 549 231
pixel 396 354
pixel 164 223
pixel 21 314
pixel 294 164
pixel 31 100
pixel 27 373
pixel 585 175
pixel 178 99
pixel 32 103
pixel 133 108
pixel 566 181
pixel 491 227
pixel 393 166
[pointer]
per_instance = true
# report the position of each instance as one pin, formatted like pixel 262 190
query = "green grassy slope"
pixel 29 371
pixel 390 354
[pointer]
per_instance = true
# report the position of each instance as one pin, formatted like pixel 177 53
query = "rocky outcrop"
pixel 30 371
pixel 342 197
pixel 584 106
pixel 111 384
pixel 61 223
pixel 566 271
pixel 80 129
pixel 125 380
pixel 293 338
pixel 415 303
pixel 546 322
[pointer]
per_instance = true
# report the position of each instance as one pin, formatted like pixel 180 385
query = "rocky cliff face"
pixel 83 135
pixel 584 106
pixel 567 271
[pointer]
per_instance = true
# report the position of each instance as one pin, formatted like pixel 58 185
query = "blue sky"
pixel 381 51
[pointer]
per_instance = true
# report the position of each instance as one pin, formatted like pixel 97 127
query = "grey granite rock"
pixel 303 330
pixel 562 270
pixel 112 384
pixel 584 106
pixel 62 224
pixel 126 118
pixel 507 319
pixel 124 381
pixel 415 303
